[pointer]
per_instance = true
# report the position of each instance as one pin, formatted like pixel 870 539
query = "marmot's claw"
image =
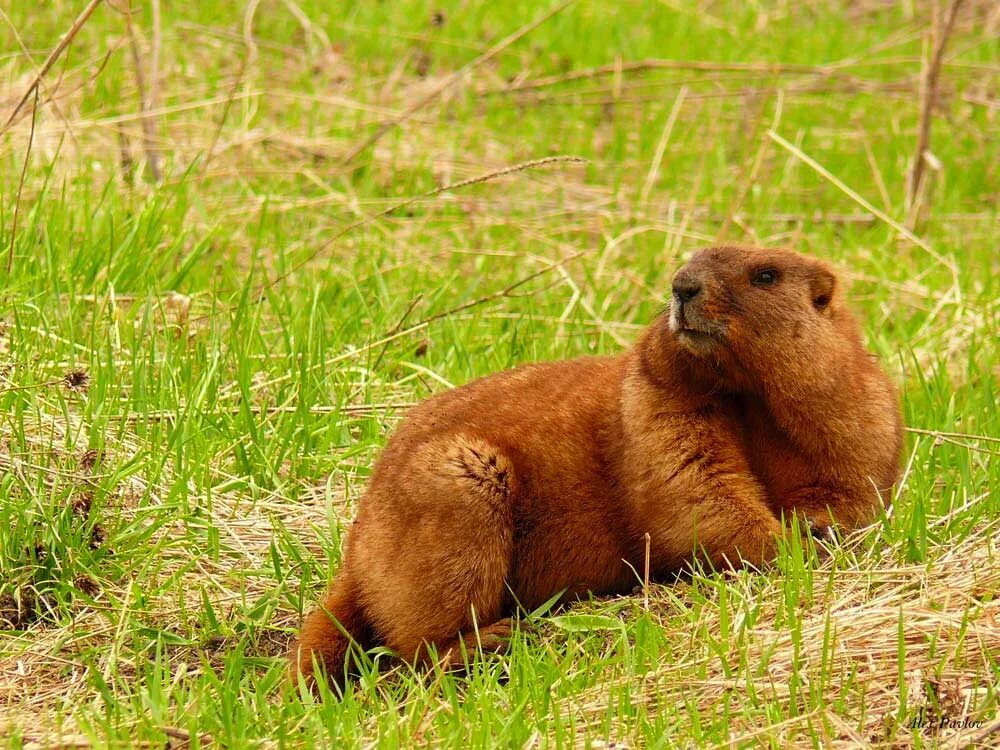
pixel 527 626
pixel 824 532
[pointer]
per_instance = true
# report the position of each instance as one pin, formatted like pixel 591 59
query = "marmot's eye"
pixel 764 277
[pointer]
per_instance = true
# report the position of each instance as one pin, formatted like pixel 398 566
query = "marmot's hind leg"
pixel 447 551
pixel 322 638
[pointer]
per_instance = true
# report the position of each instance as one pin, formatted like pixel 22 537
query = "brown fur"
pixel 745 403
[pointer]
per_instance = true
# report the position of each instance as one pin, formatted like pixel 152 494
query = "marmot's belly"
pixel 570 535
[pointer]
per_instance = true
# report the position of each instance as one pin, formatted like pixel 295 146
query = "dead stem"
pixel 146 105
pixel 20 185
pixel 930 91
pixel 64 42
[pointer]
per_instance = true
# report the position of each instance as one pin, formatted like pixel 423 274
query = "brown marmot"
pixel 752 399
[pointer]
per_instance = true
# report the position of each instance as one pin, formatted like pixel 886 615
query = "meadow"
pixel 239 240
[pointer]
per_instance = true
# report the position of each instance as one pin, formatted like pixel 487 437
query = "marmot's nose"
pixel 686 287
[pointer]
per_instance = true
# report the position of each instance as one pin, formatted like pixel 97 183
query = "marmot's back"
pixel 532 410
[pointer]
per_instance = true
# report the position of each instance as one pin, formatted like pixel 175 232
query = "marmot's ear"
pixel 821 287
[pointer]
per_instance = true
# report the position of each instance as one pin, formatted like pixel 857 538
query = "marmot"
pixel 751 399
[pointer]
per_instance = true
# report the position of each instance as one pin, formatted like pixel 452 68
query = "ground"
pixel 238 240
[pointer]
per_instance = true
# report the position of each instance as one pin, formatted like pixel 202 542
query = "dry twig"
pixel 145 99
pixel 51 59
pixel 620 67
pixel 931 84
pixel 20 184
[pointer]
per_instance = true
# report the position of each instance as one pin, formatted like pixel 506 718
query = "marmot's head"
pixel 744 310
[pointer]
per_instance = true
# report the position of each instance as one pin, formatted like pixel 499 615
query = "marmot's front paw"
pixel 822 531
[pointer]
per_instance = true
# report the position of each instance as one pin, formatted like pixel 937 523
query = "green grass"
pixel 164 524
